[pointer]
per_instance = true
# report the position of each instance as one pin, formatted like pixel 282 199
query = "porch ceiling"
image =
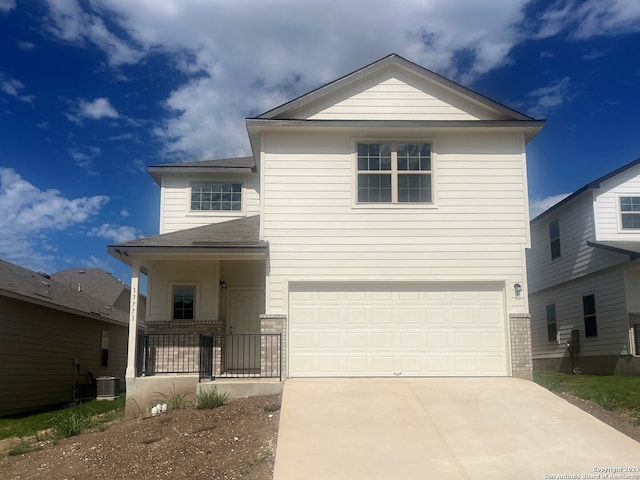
pixel 625 248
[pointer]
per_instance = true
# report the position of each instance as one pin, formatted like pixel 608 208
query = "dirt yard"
pixel 237 440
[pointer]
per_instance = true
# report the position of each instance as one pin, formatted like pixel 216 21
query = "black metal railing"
pixel 211 356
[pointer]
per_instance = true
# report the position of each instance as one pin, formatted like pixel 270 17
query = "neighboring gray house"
pixel 54 340
pixel 100 284
pixel 584 277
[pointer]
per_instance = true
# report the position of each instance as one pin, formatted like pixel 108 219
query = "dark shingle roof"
pixel 43 289
pixel 94 282
pixel 222 165
pixel 243 232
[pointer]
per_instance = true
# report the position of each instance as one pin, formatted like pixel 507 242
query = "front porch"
pixel 171 366
pixel 210 356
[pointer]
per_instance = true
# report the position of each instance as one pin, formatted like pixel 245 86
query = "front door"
pixel 243 347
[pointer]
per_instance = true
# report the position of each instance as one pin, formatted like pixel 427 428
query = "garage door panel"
pixel 410 330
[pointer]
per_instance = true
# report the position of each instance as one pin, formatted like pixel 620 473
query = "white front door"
pixel 245 308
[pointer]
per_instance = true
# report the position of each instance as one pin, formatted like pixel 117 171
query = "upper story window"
pixel 394 173
pixel 589 311
pixel 630 212
pixel 554 239
pixel 219 197
pixel 183 302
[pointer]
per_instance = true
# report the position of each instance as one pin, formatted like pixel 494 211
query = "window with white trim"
pixel 394 173
pixel 217 197
pixel 630 212
pixel 183 302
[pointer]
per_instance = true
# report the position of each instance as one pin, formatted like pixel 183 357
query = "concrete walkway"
pixel 442 428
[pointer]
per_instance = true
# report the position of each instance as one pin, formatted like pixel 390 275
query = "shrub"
pixel 210 399
pixel 173 399
pixel 70 422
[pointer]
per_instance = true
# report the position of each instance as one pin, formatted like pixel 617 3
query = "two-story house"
pixel 379 228
pixel 584 278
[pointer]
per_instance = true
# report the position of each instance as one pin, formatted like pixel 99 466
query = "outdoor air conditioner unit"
pixel 107 388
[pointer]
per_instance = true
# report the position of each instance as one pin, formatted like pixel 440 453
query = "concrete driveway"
pixel 442 428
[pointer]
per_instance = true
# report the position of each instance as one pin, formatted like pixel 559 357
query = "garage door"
pixel 409 330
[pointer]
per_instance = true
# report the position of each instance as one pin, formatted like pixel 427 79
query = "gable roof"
pixel 94 282
pixel 240 236
pixel 589 186
pixel 281 112
pixel 222 165
pixel 297 113
pixel 44 290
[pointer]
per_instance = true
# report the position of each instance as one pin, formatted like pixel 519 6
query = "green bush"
pixel 173 399
pixel 211 399
pixel 71 422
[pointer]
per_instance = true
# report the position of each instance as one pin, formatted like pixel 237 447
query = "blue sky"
pixel 94 91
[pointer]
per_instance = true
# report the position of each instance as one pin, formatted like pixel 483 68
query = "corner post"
pixel 133 320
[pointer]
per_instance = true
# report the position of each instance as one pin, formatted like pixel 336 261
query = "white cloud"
pixel 84 157
pixel 97 109
pixel 244 58
pixel 124 213
pixel 537 206
pixel 26 46
pixel 550 97
pixel 13 87
pixel 589 18
pixel 68 21
pixel 115 233
pixel 6 5
pixel 29 214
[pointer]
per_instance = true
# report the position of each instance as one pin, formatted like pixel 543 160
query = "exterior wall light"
pixel 223 284
pixel 518 289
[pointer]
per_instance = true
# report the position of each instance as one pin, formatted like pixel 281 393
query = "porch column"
pixel 133 320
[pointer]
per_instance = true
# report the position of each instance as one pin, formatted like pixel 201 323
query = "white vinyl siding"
pixel 176 213
pixel 607 205
pixel 477 230
pixel 398 97
pixel 578 259
pixel 204 275
pixel 612 318
pixel 392 330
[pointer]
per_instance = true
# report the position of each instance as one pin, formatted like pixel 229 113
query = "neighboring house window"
pixel 216 197
pixel 394 173
pixel 554 238
pixel 630 211
pixel 589 309
pixel 104 348
pixel 183 302
pixel 552 324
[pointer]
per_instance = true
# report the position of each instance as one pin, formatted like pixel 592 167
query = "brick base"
pixel 520 332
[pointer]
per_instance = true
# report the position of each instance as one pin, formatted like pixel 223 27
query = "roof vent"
pixel 44 274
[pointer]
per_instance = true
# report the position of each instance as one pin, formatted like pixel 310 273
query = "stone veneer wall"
pixel 274 324
pixel 521 357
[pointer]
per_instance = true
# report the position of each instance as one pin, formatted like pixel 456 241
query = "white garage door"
pixel 409 330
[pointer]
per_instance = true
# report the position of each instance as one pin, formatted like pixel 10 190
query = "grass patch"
pixel 612 392
pixel 174 400
pixel 31 425
pixel 210 399
pixel 22 447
